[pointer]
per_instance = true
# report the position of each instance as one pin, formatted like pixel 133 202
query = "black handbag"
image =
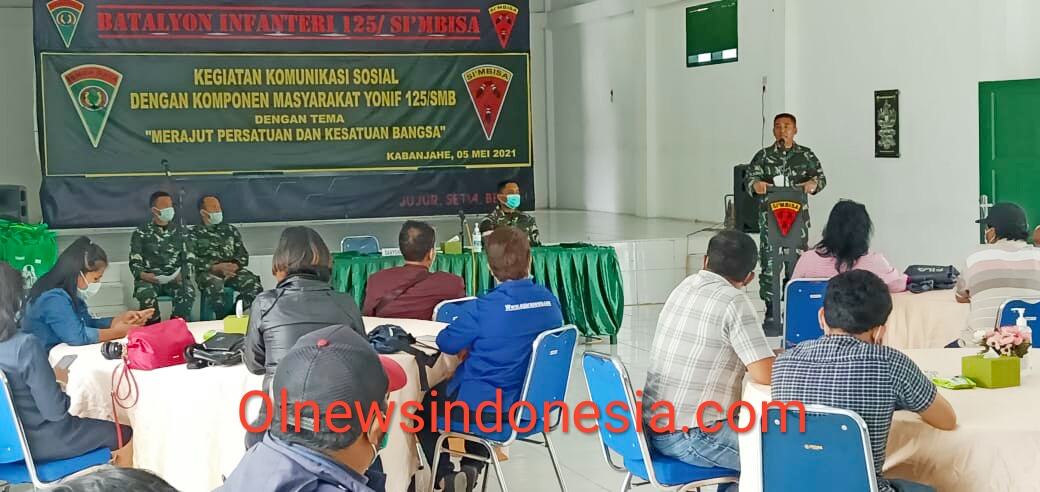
pixel 392 339
pixel 931 277
pixel 222 349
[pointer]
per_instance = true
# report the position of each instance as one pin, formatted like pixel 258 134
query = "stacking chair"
pixel 801 311
pixel 1007 316
pixel 832 454
pixel 445 308
pixel 362 245
pixel 609 383
pixel 16 462
pixel 545 383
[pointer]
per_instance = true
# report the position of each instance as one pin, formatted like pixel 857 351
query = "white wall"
pixel 841 51
pixel 19 164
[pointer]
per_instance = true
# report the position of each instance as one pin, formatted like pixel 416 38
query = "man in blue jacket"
pixel 493 336
pixel 331 365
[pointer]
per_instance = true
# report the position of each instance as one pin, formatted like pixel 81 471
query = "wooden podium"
pixel 787 226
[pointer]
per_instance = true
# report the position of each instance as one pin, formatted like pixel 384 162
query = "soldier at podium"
pixel 784 163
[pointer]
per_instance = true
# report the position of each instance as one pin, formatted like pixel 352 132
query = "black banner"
pixel 295 109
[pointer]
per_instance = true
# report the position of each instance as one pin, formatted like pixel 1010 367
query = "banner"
pixel 277 99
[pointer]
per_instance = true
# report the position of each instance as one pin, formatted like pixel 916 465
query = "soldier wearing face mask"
pixel 159 253
pixel 222 259
pixel 508 213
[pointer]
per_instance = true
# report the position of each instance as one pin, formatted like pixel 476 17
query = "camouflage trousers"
pixel 765 258
pixel 183 294
pixel 246 283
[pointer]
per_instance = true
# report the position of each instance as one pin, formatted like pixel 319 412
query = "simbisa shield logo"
pixel 66 15
pixel 93 89
pixel 503 16
pixel 488 86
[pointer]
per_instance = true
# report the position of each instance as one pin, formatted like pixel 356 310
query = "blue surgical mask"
pixel 166 214
pixel 92 288
pixel 513 201
pixel 215 217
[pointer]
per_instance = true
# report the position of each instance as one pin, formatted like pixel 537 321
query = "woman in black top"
pixel 41 405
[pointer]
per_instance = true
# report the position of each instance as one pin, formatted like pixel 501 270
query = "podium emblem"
pixel 785 213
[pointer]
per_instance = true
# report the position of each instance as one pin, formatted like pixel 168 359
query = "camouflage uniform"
pixel 518 219
pixel 222 243
pixel 795 164
pixel 156 249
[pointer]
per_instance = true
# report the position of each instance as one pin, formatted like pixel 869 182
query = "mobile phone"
pixel 65 362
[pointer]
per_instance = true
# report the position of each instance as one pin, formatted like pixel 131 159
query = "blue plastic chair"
pixel 609 383
pixel 16 462
pixel 832 454
pixel 802 310
pixel 362 245
pixel 1007 315
pixel 444 311
pixel 206 312
pixel 545 383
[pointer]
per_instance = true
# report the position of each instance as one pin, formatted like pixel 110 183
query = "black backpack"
pixel 392 339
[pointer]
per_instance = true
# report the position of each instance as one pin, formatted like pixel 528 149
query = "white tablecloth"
pixel 995 447
pixel 928 320
pixel 186 422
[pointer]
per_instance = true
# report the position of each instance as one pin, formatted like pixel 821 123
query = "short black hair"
pixel 157 195
pixel 502 184
pixel 116 479
pixel 202 199
pixel 732 254
pixel 856 302
pixel 786 115
pixel 415 240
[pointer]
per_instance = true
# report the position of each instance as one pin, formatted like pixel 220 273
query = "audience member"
pixel 221 259
pixel 507 213
pixel 708 337
pixel 331 365
pixel 109 479
pixel 493 336
pixel 1005 268
pixel 412 291
pixel 302 302
pixel 849 368
pixel 846 246
pixel 37 398
pixel 56 311
pixel 158 252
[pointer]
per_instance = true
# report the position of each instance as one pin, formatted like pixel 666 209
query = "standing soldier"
pixel 507 213
pixel 161 260
pixel 784 163
pixel 221 259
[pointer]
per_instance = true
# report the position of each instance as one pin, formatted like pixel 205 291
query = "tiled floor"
pixel 529 468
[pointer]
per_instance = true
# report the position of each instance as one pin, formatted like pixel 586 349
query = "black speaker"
pixel 14 203
pixel 745 207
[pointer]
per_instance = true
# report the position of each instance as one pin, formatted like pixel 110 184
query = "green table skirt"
pixel 586 279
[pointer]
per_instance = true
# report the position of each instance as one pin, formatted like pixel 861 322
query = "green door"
pixel 1009 143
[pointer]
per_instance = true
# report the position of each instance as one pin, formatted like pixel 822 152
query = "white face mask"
pixel 92 288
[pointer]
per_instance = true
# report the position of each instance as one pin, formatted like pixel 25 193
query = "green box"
pixel 452 248
pixel 234 324
pixel 1001 372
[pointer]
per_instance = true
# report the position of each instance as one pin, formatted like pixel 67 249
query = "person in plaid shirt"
pixel 849 369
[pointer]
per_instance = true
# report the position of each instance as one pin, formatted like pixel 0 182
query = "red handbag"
pixel 159 345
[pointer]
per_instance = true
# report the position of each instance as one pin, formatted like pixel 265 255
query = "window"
pixel 711 33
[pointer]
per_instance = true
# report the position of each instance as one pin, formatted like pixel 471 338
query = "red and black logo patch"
pixel 488 86
pixel 503 16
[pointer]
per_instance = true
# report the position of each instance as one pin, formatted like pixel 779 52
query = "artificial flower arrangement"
pixel 1001 361
pixel 1007 341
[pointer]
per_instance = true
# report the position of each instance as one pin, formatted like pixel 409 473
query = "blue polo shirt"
pixel 498 329
pixel 55 318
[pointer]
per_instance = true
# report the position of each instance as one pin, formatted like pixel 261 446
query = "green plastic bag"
pixel 30 248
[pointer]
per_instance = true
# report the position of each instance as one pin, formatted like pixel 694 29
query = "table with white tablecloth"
pixel 928 320
pixel 995 447
pixel 186 422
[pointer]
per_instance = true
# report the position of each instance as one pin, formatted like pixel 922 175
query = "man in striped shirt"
pixel 1006 268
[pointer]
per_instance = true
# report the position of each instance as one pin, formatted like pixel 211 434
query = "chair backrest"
pixel 801 314
pixel 365 245
pixel 1007 316
pixel 832 454
pixel 13 445
pixel 447 313
pixel 549 370
pixel 608 382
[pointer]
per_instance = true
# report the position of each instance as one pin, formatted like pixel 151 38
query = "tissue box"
pixel 1000 372
pixel 452 248
pixel 234 324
